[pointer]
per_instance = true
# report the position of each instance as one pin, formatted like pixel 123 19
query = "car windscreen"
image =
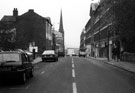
pixel 9 58
pixel 82 52
pixel 49 52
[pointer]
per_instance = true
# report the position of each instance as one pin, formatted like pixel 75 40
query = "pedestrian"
pixel 114 53
pixel 121 53
pixel 117 54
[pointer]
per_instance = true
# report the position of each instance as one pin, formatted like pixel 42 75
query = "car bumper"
pixel 50 58
pixel 10 74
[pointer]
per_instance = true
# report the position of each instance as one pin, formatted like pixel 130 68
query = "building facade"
pixel 111 27
pixel 82 40
pixel 100 29
pixel 31 30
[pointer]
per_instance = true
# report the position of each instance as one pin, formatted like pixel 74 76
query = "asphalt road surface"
pixel 74 75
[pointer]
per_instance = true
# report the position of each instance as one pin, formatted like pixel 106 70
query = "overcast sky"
pixel 75 14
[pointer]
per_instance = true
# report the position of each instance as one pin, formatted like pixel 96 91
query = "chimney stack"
pixel 15 12
pixel 31 10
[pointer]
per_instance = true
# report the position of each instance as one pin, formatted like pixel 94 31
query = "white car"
pixel 49 55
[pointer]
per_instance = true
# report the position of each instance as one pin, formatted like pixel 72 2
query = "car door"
pixel 26 64
pixel 30 66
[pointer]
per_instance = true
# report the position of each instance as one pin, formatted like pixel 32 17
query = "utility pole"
pixel 108 45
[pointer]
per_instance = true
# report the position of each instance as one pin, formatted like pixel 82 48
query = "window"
pixel 9 57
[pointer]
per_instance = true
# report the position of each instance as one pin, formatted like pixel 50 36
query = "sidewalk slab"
pixel 125 65
pixel 129 66
pixel 36 60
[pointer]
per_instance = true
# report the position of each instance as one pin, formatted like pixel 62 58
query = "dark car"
pixel 15 64
pixel 49 55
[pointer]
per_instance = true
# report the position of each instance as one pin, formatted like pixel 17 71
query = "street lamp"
pixel 108 39
pixel 108 44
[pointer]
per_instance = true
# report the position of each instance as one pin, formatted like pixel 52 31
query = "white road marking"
pixel 27 87
pixel 42 72
pixel 74 88
pixel 73 75
pixel 21 88
pixel 72 61
pixel 73 66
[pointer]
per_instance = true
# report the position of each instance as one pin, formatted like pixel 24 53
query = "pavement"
pixel 36 60
pixel 129 66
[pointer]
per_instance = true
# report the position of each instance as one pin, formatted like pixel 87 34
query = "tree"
pixel 7 37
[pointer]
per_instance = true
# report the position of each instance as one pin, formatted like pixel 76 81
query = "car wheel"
pixel 31 74
pixel 23 78
pixel 43 60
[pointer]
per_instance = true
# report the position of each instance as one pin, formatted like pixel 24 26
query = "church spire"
pixel 61 30
pixel 61 24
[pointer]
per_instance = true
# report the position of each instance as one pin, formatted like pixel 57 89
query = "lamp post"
pixel 99 38
pixel 108 39
pixel 108 45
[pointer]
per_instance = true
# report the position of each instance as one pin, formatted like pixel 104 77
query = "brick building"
pixel 100 29
pixel 82 40
pixel 31 29
pixel 111 24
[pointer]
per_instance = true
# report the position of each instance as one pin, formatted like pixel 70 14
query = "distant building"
pixel 31 30
pixel 82 40
pixel 72 51
pixel 53 39
pixel 58 40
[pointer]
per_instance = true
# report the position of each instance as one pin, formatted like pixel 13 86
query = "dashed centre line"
pixel 73 66
pixel 20 88
pixel 74 88
pixel 73 75
pixel 72 60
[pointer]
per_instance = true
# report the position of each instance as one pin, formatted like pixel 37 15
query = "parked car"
pixel 49 55
pixel 15 64
pixel 82 54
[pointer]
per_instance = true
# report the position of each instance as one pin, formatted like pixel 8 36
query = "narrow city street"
pixel 74 75
pixel 92 42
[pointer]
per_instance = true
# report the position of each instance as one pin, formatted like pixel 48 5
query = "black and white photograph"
pixel 67 46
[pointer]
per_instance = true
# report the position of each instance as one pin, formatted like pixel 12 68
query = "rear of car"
pixel 82 54
pixel 9 63
pixel 49 55
pixel 15 65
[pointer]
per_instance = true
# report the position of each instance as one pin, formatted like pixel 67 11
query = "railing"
pixel 129 57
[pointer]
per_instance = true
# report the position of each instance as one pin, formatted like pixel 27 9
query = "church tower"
pixel 61 30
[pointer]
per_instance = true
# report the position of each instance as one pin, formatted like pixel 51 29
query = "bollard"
pixel 33 53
